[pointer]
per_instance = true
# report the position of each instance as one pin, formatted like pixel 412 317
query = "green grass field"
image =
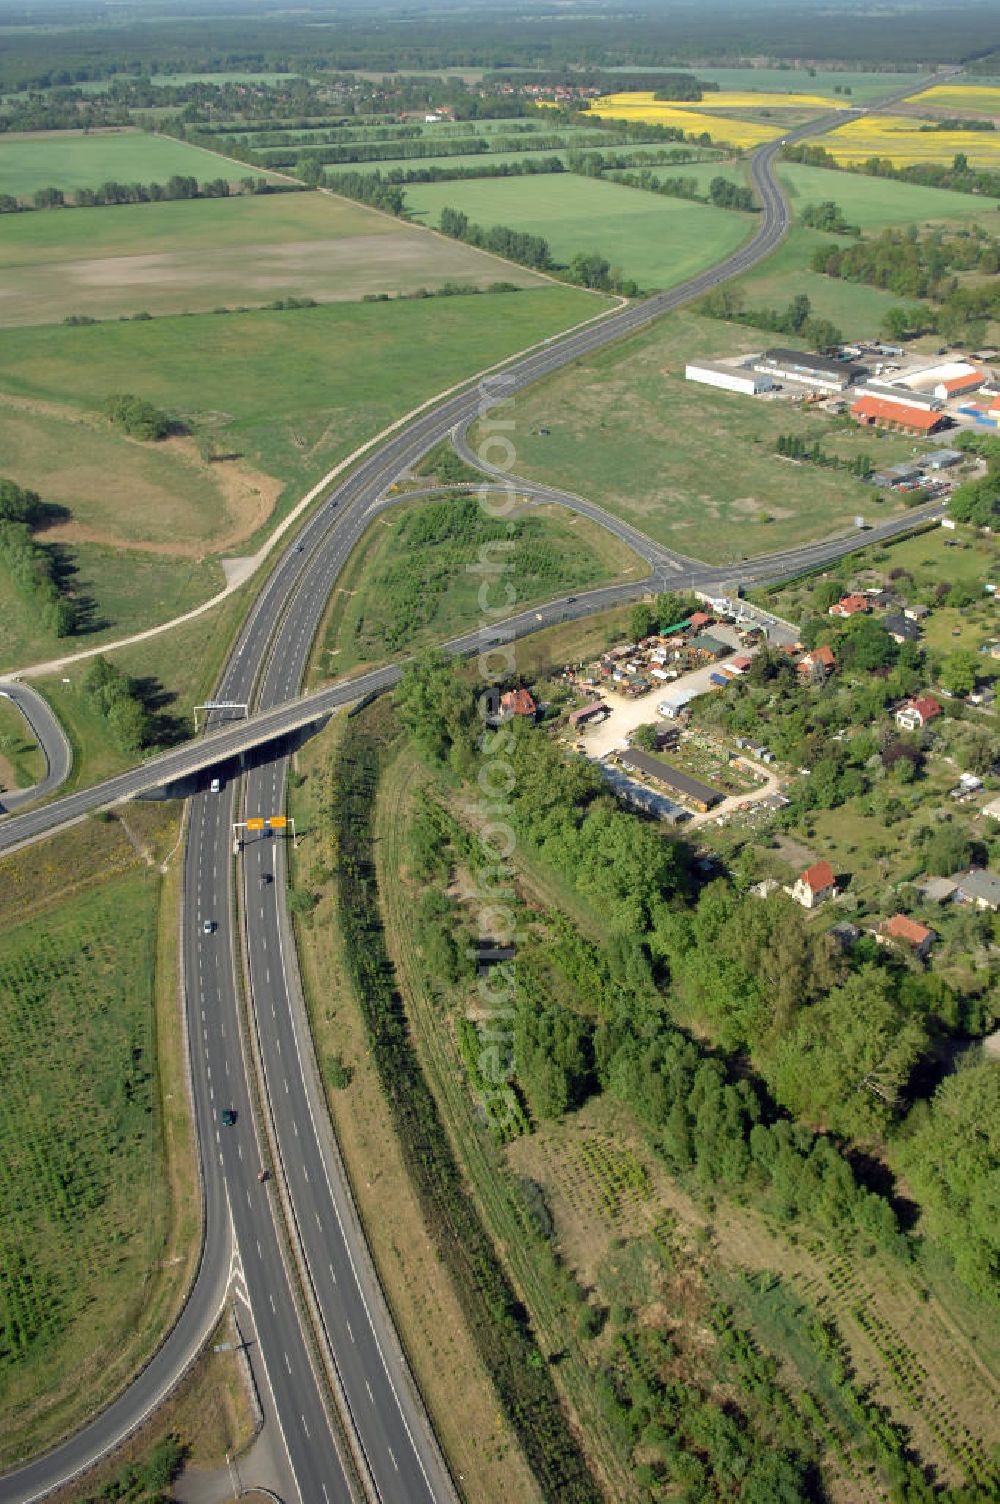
pixel 692 467
pixel 874 203
pixel 409 582
pixel 121 591
pixel 481 161
pixel 219 253
pixel 658 241
pixel 187 225
pixel 857 310
pixel 295 391
pixel 81 1221
pixel 71 159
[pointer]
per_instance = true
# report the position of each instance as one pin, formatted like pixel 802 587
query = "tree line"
pixel 796 319
pixel 956 175
pixel 176 188
pixel 34 569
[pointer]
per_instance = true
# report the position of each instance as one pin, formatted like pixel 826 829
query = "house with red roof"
pixel 698 620
pixel 517 702
pixel 815 885
pixel 820 659
pixel 905 931
pixel 850 605
pixel 915 714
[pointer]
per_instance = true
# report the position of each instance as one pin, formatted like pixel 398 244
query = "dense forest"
pixel 454 38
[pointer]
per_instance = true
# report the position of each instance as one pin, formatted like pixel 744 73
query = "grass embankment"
pixel 655 240
pixel 502 1338
pixel 624 428
pixel 98 1198
pixel 209 1416
pixel 22 762
pixel 413 581
pixel 203 254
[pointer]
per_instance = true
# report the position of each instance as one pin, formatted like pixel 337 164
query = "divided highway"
pixel 394 1449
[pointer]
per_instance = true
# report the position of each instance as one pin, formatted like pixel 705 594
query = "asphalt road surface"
pixel 265 670
pixel 50 737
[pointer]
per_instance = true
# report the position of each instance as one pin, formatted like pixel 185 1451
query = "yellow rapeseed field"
pixel 900 138
pixel 644 109
pixel 978 97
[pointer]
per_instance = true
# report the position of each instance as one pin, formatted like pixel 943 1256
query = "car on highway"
pixel 228 1116
pixel 208 926
pixel 265 878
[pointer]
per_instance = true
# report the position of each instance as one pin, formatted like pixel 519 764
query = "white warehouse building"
pixel 729 378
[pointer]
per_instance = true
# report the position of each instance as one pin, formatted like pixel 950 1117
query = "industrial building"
pixel 887 413
pixel 821 373
pixel 743 379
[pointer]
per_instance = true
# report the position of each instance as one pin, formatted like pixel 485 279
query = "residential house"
pixel 517 702
pixel 900 628
pixel 849 605
pixel 979 886
pixel 916 612
pixel 815 885
pixel 820 660
pixel 917 713
pixel 909 932
pixel 698 620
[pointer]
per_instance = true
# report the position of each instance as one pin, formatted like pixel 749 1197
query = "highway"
pixel 395 1451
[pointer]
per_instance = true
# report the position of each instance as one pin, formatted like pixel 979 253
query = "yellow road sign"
pixel 255 824
pixel 277 822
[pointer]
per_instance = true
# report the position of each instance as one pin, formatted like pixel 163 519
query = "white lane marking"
pixel 392 1459
pixel 305 1172
pixel 304 1426
pixel 286 1086
pixel 349 1332
pixel 249 1202
pixel 369 1388
pixel 259 1254
pixel 287 1364
pixel 239 1150
pixel 296 1127
pixel 332 1275
pixel 271 1299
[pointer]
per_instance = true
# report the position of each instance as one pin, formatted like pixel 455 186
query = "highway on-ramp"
pixel 243 1248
